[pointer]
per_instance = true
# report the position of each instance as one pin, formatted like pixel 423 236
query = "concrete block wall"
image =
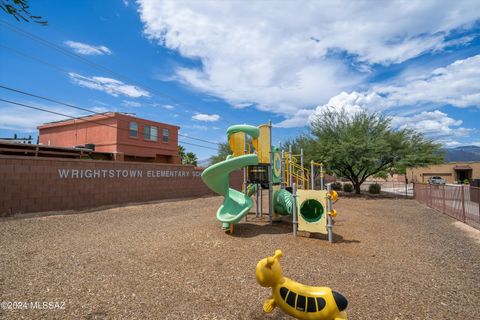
pixel 48 184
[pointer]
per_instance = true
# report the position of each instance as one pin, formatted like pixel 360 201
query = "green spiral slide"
pixel 236 204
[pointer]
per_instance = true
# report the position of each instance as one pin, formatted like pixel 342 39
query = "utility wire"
pixel 51 65
pixel 56 67
pixel 84 109
pixel 86 120
pixel 73 55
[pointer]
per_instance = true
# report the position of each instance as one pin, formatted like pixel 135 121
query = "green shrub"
pixel 337 186
pixel 374 188
pixel 347 187
pixel 466 181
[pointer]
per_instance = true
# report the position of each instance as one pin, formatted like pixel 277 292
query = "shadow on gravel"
pixel 336 238
pixel 250 230
pixel 340 239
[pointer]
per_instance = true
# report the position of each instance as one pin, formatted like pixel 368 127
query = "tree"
pixel 383 174
pixel 20 10
pixel 181 152
pixel 191 158
pixel 187 158
pixel 223 152
pixel 357 146
pixel 422 153
pixel 298 143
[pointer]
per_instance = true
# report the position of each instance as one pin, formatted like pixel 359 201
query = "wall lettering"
pixel 117 173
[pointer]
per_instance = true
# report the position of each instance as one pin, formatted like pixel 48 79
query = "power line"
pixel 73 55
pixel 84 109
pixel 57 47
pixel 23 54
pixel 86 120
pixel 58 68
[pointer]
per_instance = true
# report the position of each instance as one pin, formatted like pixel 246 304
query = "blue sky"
pixel 206 65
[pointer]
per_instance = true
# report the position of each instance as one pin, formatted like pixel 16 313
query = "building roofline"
pixel 108 114
pixel 143 119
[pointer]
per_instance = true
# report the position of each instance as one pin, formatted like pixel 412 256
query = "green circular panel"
pixel 277 164
pixel 311 210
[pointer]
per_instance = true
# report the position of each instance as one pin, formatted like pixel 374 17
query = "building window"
pixel 133 129
pixel 165 134
pixel 150 133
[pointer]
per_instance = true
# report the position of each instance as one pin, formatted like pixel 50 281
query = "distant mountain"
pixel 464 153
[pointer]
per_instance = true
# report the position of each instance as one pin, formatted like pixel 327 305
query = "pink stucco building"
pixel 128 138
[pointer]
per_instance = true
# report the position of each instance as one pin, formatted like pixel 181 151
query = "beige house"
pixel 451 172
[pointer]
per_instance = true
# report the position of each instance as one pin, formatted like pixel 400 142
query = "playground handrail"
pixel 298 176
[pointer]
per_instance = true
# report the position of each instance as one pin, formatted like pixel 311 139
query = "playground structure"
pixel 296 299
pixel 291 187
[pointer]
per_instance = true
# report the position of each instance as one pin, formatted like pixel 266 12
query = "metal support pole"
pixel 256 201
pixel 282 185
pixel 312 175
pixel 303 173
pixel 443 198
pixel 295 214
pixel 270 178
pixel 321 177
pixel 245 170
pixel 290 168
pixel 329 216
pixel 463 204
pixel 261 201
pixel 429 199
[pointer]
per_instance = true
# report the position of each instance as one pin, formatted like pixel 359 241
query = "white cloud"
pixel 280 56
pixel 242 105
pixel 197 127
pixel 457 84
pixel 201 127
pixel 451 143
pixel 98 109
pixel 349 102
pixel 128 103
pixel 434 124
pixel 26 120
pixel 87 49
pixel 299 119
pixel 206 117
pixel 111 86
pixel 100 103
pixel 164 106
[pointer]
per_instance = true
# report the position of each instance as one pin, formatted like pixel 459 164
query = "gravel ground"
pixel 393 259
